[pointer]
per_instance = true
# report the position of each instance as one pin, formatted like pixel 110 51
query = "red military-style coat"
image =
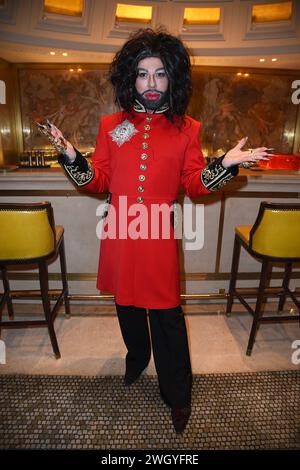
pixel 146 158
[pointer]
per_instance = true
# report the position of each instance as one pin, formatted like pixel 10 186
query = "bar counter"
pixel 204 272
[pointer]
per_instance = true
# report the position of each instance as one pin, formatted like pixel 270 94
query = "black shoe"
pixel 180 417
pixel 131 377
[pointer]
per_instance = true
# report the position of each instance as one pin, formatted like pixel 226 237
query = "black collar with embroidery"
pixel 140 108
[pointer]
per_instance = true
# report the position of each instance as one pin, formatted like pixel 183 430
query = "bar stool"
pixel 28 236
pixel 274 238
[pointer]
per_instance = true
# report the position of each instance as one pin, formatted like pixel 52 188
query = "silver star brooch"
pixel 123 132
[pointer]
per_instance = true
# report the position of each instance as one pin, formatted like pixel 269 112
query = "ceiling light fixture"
pixel 262 60
pixel 274 59
pixel 64 54
pixel 52 53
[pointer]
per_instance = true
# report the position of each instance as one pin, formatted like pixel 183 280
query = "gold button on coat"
pixel 144 156
pixel 146 136
pixel 147 127
pixel 143 166
pixel 140 199
pixel 142 177
pixel 148 118
pixel 141 189
pixel 144 145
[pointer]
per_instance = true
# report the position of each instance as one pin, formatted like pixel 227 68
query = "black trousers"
pixel 170 349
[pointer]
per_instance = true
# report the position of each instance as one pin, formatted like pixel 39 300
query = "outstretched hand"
pixel 236 155
pixel 57 134
pixel 57 139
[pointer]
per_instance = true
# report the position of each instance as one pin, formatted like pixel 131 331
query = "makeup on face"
pixel 151 81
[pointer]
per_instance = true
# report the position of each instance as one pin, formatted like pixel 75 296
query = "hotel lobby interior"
pixel 54 64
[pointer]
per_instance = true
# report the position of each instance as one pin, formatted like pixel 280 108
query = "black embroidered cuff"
pixel 214 176
pixel 80 170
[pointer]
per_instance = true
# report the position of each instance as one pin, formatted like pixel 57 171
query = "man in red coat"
pixel 144 153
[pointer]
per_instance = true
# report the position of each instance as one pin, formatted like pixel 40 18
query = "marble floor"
pixel 90 342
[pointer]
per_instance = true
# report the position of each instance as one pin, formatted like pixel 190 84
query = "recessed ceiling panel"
pixel 133 13
pixel 202 16
pixel 269 12
pixel 66 7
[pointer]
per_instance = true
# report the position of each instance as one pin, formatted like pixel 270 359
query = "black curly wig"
pixel 173 54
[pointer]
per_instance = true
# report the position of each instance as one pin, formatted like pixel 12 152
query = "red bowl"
pixel 281 162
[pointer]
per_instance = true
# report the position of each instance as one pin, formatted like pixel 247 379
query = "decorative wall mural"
pixel 72 101
pixel 229 106
pixel 232 106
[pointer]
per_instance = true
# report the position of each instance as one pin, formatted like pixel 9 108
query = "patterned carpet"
pixel 230 411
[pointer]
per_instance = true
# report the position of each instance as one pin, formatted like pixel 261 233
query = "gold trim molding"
pixel 193 277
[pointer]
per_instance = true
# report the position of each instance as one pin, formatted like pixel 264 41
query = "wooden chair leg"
pixel 44 283
pixel 285 285
pixel 7 293
pixel 259 303
pixel 234 271
pixel 2 305
pixel 63 266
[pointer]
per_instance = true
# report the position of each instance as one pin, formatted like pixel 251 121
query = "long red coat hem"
pixel 130 301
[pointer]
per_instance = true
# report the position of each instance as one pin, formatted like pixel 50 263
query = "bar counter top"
pixel 56 174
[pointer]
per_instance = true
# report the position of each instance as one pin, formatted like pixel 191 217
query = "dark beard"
pixel 152 105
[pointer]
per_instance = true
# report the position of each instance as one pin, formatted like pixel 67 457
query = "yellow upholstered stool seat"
pixel 243 231
pixel 28 236
pixel 274 237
